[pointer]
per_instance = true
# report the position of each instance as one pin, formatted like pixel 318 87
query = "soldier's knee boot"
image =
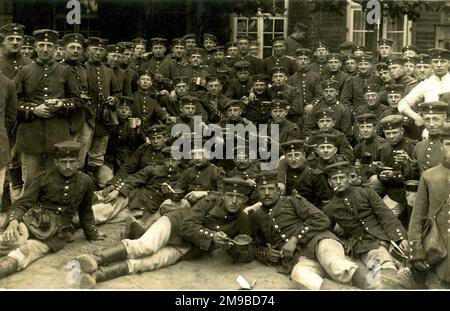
pixel 133 229
pixel 105 273
pixel 91 262
pixel 332 285
pixel 8 266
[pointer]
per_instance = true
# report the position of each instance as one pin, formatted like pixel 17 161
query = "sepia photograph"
pixel 202 145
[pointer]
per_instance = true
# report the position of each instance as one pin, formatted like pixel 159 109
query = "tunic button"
pixel 66 187
pixel 429 149
pixel 218 227
pixel 65 194
pixel 276 226
pixel 367 228
pixel 428 156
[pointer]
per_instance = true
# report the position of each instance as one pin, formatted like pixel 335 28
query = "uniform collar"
pixel 343 193
pixel 41 63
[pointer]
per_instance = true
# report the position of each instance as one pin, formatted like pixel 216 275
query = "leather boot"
pixel 112 271
pixel 8 266
pixel 359 278
pixel 133 229
pixel 332 285
pixel 390 279
pixel 89 263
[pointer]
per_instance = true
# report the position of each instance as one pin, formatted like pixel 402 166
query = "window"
pixel 262 28
pixel 358 31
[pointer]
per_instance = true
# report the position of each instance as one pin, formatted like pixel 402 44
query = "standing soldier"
pixel 423 67
pixel 287 129
pixel 320 51
pixel 243 44
pixel 139 48
pixel 372 101
pixel 11 59
pixel 190 42
pixel 428 152
pixel 213 101
pixel 196 71
pixel 279 58
pixel 74 46
pixel 27 49
pixel 296 40
pixel 178 56
pixel 127 54
pixel 432 201
pixel 232 53
pixel 241 85
pixel 218 64
pixel 334 72
pixel 353 92
pixel 160 65
pixel 306 81
pixel 350 66
pixel 399 76
pixel 384 50
pixel 104 90
pixel 209 43
pixel 113 59
pixel 48 93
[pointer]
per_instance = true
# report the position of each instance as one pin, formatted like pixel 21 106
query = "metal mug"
pixel 132 122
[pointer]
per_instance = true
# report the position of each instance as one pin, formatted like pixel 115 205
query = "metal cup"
pixel 132 123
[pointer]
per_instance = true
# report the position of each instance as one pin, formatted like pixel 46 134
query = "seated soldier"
pixel 147 154
pixel 233 113
pixel 292 234
pixel 296 177
pixel 428 152
pixel 368 227
pixel 372 102
pixel 329 100
pixel 395 155
pixel 280 89
pixel 40 221
pixel 287 130
pixel 240 86
pixel 326 121
pixel 181 88
pixel 201 177
pixel 325 152
pixel 213 101
pixel 142 192
pixel 211 223
pixel 124 139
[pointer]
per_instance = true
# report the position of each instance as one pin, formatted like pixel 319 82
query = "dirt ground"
pixel 211 272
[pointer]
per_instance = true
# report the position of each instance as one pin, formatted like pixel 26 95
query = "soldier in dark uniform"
pixel 350 66
pixel 213 101
pixel 384 50
pixel 293 234
pixel 296 40
pixel 124 138
pixel 231 53
pixel 306 81
pixel 428 152
pixel 279 58
pixel 326 120
pixel 232 113
pixel 352 94
pixel 258 109
pixel 359 50
pixel 241 85
pixel 299 178
pixel 104 91
pixel 60 54
pixel 74 45
pixel 190 42
pixel 256 65
pixel 281 90
pixel 385 80
pixel 145 155
pixel 370 141
pixel 196 71
pixel 127 54
pixel 346 48
pixel 287 129
pixel 410 67
pixel 210 224
pixel 209 43
pixel 40 221
pixel 143 191
pixel 180 89
pixel 8 112
pixel 11 60
pixel 393 96
pixel 432 201
pixel 395 155
pixel 334 72
pixel 114 54
pixel 368 225
pixel 330 94
pixel 218 64
pixel 178 56
pixel 410 51
pixel 159 64
pixel 325 152
pixel 48 93
pixel 145 103
pixel 320 51
pixel 27 49
pixel 139 49
pixel 371 101
pixel 397 72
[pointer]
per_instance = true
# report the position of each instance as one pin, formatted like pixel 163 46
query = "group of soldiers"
pixel 359 197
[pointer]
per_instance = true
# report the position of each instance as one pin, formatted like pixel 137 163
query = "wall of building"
pixel 423 30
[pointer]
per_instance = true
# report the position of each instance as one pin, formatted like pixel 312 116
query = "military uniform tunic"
pixel 308 85
pixel 11 64
pixel 428 153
